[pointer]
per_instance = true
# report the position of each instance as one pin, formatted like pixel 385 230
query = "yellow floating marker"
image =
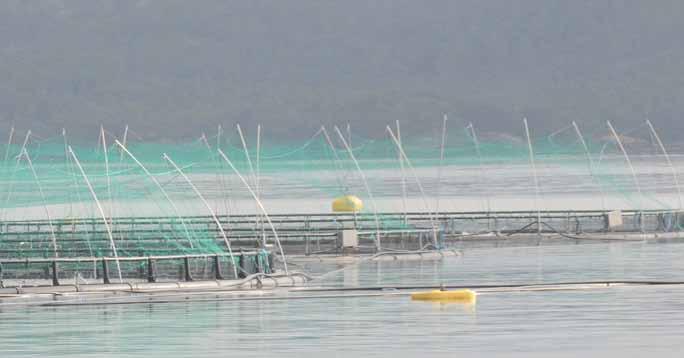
pixel 347 204
pixel 459 296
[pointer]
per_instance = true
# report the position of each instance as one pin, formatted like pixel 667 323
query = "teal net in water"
pixel 67 200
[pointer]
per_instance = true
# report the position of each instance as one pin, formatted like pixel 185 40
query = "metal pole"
pixel 669 162
pixel 206 204
pixel 259 204
pixel 534 176
pixel 378 246
pixel 99 207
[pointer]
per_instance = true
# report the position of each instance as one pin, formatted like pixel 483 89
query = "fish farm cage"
pixel 225 206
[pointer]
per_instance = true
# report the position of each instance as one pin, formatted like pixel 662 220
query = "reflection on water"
pixel 603 322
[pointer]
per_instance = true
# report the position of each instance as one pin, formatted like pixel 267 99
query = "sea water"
pixel 607 322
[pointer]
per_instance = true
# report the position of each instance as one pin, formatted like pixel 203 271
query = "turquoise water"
pixel 634 321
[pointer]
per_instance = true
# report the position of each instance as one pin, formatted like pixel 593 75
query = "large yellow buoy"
pixel 347 204
pixel 460 296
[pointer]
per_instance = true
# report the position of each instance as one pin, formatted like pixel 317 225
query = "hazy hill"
pixel 171 68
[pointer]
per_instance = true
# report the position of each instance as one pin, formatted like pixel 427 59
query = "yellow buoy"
pixel 461 296
pixel 347 204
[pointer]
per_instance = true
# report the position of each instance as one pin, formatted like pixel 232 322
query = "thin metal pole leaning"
pixel 161 188
pixel 25 154
pixel 476 143
pixel 100 209
pixel 251 170
pixel 534 176
pixel 669 162
pixel 403 177
pixel 9 143
pixel 109 180
pixel 259 204
pixel 378 246
pixel 629 164
pixel 420 186
pixel 441 162
pixel 590 160
pixel 211 211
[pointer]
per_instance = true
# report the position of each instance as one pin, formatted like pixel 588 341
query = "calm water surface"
pixel 615 322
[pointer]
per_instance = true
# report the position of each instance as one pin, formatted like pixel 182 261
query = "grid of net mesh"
pixel 126 197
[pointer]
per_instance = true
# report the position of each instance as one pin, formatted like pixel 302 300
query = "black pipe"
pixel 241 266
pixel 270 263
pixel 105 271
pixel 186 267
pixel 150 271
pixel 55 280
pixel 217 268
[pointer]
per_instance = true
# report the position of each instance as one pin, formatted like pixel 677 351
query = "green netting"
pixel 144 205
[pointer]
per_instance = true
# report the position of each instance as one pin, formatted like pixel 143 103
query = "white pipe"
pixel 629 163
pixel 102 213
pixel 258 163
pixel 420 186
pixel 9 143
pixel 161 188
pixel 332 147
pixel 204 140
pixel 590 161
pixel 669 162
pixel 403 177
pixel 25 154
pixel 476 143
pixel 260 205
pixel 249 159
pixel 219 176
pixel 219 132
pixel 123 140
pixel 534 176
pixel 441 162
pixel 26 139
pixel 211 211
pixel 109 180
pixel 252 172
pixel 257 178
pixel 68 168
pixel 336 160
pixel 378 245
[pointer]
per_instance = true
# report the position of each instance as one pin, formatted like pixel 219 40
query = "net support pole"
pixel 535 179
pixel 403 178
pixel 259 204
pixel 100 209
pixel 26 156
pixel 347 146
pixel 669 162
pixel 9 143
pixel 431 215
pixel 161 188
pixel 590 161
pixel 478 152
pixel 206 204
pixel 441 162
pixel 632 170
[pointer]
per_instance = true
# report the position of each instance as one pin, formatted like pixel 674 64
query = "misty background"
pixel 173 68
